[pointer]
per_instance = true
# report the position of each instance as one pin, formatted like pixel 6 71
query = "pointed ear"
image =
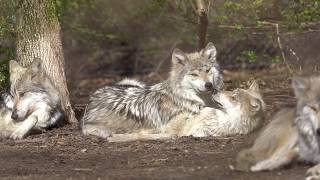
pixel 36 65
pixel 300 86
pixel 254 86
pixel 210 51
pixel 14 66
pixel 178 57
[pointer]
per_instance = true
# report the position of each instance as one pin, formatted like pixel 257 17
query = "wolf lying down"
pixel 131 110
pixel 292 135
pixel 34 104
pixel 243 112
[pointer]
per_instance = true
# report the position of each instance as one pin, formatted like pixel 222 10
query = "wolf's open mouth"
pixel 212 91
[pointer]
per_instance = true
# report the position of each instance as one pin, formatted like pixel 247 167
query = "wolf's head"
pixel 249 100
pixel 31 89
pixel 197 71
pixel 307 92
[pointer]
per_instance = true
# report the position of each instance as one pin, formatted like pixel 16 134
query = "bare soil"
pixel 65 154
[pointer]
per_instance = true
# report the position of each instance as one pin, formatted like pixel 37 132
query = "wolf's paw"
pixel 313 173
pixel 17 135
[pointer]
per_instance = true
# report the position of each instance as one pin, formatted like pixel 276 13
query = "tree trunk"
pixel 38 35
pixel 202 23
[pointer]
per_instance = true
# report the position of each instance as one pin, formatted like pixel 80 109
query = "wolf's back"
pixel 123 108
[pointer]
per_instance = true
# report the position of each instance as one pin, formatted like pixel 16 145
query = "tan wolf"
pixel 34 103
pixel 292 135
pixel 243 112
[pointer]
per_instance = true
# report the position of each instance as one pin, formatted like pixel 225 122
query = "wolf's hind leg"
pixel 139 137
pixel 278 160
pixel 24 128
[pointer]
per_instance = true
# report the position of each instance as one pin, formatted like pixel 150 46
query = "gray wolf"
pixel 128 107
pixel 243 112
pixel 292 135
pixel 35 103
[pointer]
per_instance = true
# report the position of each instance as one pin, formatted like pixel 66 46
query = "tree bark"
pixel 202 23
pixel 38 35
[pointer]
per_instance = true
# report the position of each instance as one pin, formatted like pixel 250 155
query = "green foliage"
pixel 249 56
pixel 252 57
pixel 7 37
pixel 4 74
pixel 8 54
pixel 276 59
pixel 299 12
pixel 150 24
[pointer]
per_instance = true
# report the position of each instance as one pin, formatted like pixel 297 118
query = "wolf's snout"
pixel 14 115
pixel 208 85
pixel 318 131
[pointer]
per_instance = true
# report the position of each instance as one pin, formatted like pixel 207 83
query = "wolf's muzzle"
pixel 208 85
pixel 14 115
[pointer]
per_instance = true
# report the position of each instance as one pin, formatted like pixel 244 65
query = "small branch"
pixel 303 32
pixel 226 26
pixel 209 6
pixel 294 53
pixel 242 27
pixel 280 45
pixel 163 60
pixel 203 23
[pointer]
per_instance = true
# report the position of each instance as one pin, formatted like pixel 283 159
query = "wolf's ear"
pixel 254 86
pixel 14 66
pixel 210 51
pixel 36 65
pixel 300 86
pixel 178 57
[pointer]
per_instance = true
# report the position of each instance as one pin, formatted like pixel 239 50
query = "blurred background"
pixel 106 40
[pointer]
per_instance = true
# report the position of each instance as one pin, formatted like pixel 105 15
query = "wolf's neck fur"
pixel 308 142
pixel 186 98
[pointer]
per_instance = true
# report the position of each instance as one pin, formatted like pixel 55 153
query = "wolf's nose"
pixel 318 131
pixel 208 85
pixel 14 115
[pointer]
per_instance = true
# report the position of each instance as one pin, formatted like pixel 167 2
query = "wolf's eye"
pixel 314 108
pixel 193 74
pixel 233 97
pixel 208 70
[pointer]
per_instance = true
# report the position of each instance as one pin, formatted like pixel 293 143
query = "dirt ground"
pixel 65 154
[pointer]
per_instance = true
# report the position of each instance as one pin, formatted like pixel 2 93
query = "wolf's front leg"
pixel 24 127
pixel 313 173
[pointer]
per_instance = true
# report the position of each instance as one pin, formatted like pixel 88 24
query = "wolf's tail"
pixel 245 159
